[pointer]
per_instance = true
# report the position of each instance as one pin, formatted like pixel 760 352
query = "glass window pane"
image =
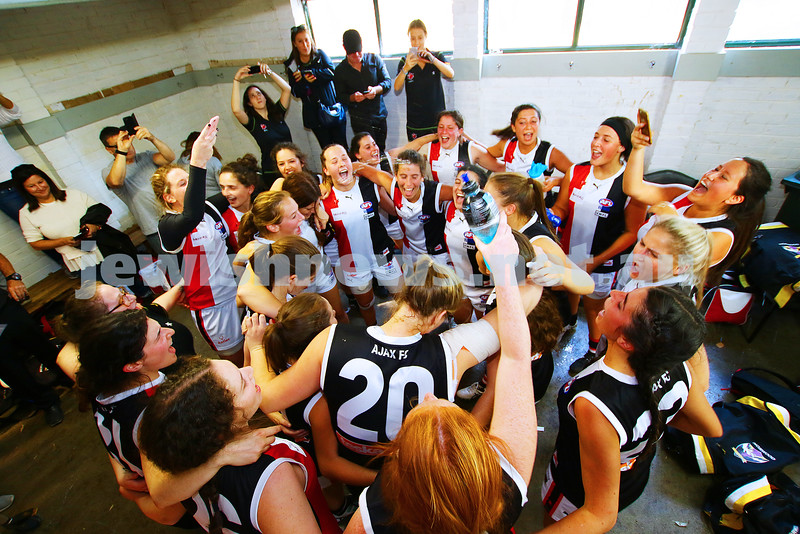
pixel 331 19
pixel 531 24
pixel 631 22
pixel 758 20
pixel 395 16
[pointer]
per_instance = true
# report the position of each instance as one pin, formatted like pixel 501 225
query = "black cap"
pixel 351 41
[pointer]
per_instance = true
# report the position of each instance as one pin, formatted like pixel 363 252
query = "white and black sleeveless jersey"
pixel 239 488
pixel 376 516
pixel 619 398
pixel 118 417
pixel 372 381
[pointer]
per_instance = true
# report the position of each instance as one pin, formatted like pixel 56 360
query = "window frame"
pixel 576 34
pixel 762 43
pixel 376 12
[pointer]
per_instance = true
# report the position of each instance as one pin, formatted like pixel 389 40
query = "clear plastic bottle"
pixel 479 209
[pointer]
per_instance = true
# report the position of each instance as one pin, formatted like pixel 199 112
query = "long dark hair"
pixel 665 331
pixel 275 111
pixel 294 54
pixel 304 189
pixel 507 132
pixel 115 339
pixel 21 173
pixel 288 145
pixel 297 323
pixel 746 215
pixel 189 142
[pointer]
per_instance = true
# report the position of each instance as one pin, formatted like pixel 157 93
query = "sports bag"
pixel 759 437
pixel 754 504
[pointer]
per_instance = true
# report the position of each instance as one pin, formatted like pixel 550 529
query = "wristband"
pixel 14 276
pixel 120 152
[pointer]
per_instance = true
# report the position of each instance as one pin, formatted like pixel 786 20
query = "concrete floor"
pixel 64 470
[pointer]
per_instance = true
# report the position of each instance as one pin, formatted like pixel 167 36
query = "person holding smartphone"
pixel 310 73
pixel 421 73
pixel 261 116
pixel 129 174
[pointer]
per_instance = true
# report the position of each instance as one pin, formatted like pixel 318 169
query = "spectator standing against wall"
pixel 129 176
pixel 421 73
pixel 310 73
pixel 361 80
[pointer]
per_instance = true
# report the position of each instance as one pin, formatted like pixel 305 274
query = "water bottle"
pixel 480 210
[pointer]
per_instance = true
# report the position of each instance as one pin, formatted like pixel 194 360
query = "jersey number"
pixel 368 398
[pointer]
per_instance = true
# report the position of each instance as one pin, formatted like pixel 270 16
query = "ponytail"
pixel 525 193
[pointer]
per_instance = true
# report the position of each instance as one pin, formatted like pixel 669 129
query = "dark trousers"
pixel 376 126
pixel 21 338
pixel 333 135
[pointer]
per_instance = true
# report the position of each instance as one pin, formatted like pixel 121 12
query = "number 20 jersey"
pixel 371 381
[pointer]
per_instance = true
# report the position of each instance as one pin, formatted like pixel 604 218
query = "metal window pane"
pixel 631 22
pixel 515 24
pixel 761 20
pixel 395 16
pixel 331 19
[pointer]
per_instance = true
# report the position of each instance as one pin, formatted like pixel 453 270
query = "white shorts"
pixel 324 280
pixel 220 326
pixel 478 296
pixel 603 284
pixel 359 279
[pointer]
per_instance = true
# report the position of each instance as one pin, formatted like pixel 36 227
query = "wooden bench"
pixel 55 287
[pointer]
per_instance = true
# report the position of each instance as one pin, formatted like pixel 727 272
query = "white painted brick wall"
pixel 63 51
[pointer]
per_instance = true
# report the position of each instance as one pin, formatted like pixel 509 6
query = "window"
pixel 765 23
pixel 514 26
pixel 383 24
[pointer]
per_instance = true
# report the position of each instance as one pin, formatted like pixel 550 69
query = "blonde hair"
pixel 160 184
pixel 441 474
pixel 691 247
pixel 266 210
pixel 431 288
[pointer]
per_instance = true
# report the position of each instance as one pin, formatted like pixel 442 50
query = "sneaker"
pixel 582 363
pixel 53 415
pixel 471 391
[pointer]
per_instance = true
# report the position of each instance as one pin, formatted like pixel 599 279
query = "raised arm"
pixel 481 156
pixel 236 105
pixel 514 414
pixel 377 176
pixel 255 296
pixel 170 297
pixel 633 183
pixel 416 144
pixel 286 91
pixel 165 154
pixel 116 175
pixel 443 66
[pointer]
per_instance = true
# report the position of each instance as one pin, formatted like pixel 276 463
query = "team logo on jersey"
pixel 469 240
pixel 568 385
pixel 751 453
pixel 604 206
pixel 423 218
pixel 369 211
pixel 264 128
pixel 458 164
pixel 219 227
pixel 410 77
pixel 437 248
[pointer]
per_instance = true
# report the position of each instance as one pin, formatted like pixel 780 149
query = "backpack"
pixel 754 504
pixel 761 430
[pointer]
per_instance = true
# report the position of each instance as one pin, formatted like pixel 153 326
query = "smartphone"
pixel 129 124
pixel 254 69
pixel 643 117
pixel 413 51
